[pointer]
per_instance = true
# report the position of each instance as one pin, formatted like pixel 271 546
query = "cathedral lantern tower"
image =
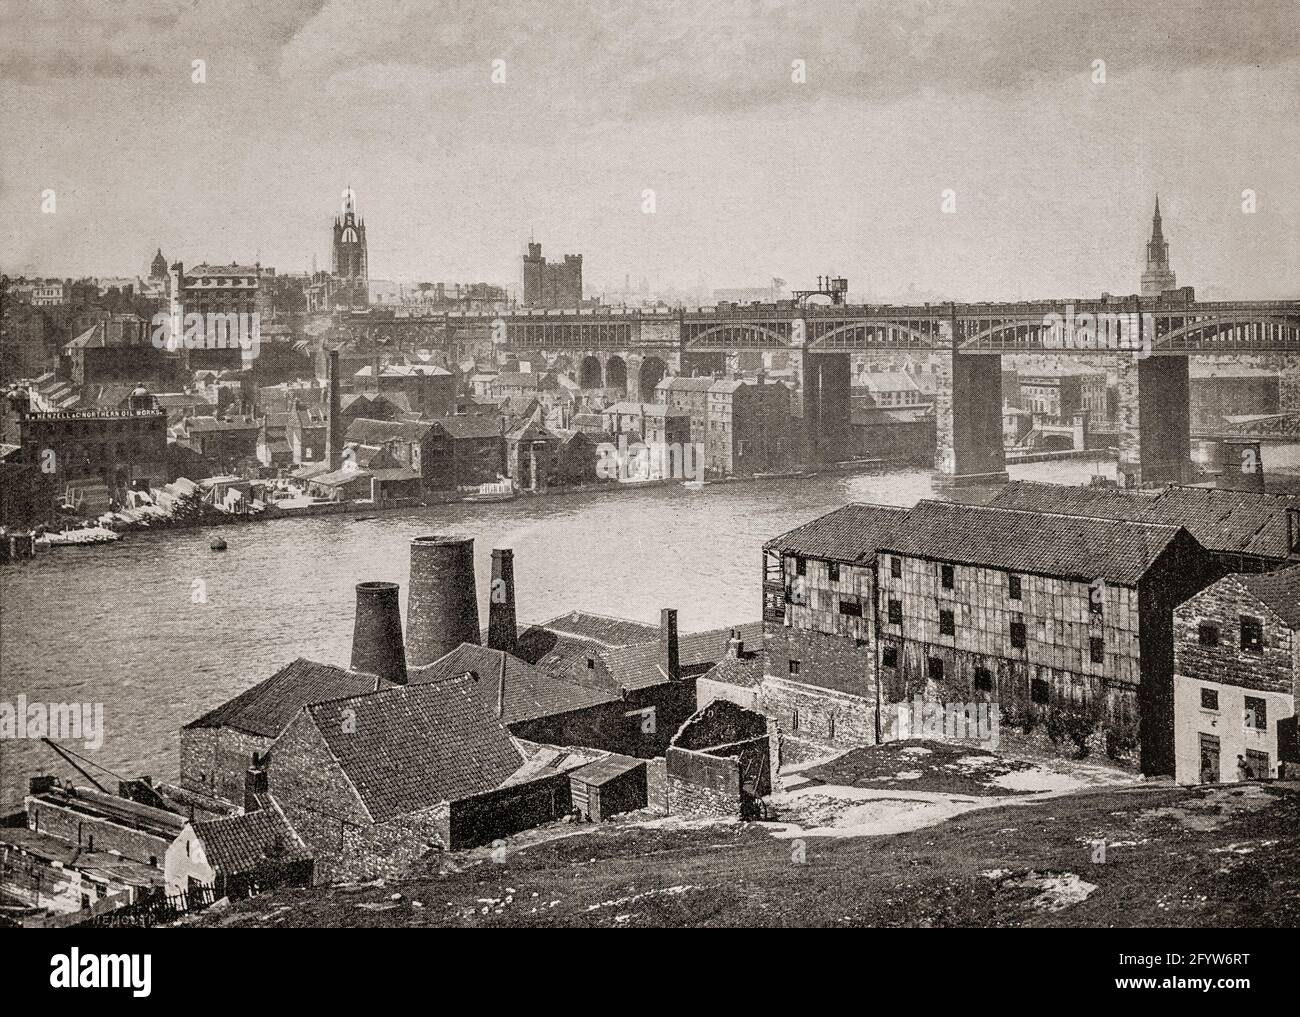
pixel 349 255
pixel 1158 276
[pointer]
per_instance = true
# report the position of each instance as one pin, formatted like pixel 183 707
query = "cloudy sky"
pixel 754 174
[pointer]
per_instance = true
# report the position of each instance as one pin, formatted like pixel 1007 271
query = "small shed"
pixel 608 786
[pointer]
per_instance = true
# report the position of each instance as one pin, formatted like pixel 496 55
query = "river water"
pixel 118 624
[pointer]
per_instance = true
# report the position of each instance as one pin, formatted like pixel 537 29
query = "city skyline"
pixel 844 172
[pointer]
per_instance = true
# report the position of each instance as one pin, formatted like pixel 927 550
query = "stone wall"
pixel 84 830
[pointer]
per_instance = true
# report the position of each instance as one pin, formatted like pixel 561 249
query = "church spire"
pixel 1158 276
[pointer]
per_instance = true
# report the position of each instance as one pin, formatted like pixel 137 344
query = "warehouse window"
pixel 1252 634
pixel 896 567
pixel 1256 714
pixel 1208 634
pixel 889 656
pixel 833 568
pixel 800 566
pixel 794 667
pixel 851 607
pixel 1038 691
pixel 947 626
pixel 1209 699
pixel 983 679
pixel 1013 587
pixel 934 669
pixel 1018 635
pixel 1097 650
pixel 895 612
pixel 794 720
pixel 945 573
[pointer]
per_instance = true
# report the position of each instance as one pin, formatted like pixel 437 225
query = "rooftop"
pixel 1244 522
pixel 417 745
pixel 1043 543
pixel 1279 591
pixel 241 843
pixel 267 708
pixel 849 534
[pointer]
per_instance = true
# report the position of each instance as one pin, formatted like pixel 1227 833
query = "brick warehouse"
pixel 870 605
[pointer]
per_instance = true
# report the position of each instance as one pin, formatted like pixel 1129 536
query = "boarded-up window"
pixel 947 625
pixel 1013 587
pixel 1018 635
pixel 1252 634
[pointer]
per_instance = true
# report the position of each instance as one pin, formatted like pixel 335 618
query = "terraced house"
pixel 869 606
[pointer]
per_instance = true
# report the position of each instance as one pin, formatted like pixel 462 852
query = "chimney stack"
pixel 735 645
pixel 377 646
pixel 257 781
pixel 442 605
pixel 668 656
pixel 503 633
pixel 334 426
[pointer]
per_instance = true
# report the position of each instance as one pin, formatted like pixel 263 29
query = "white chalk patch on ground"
pixel 1037 780
pixel 832 811
pixel 667 891
pixel 1244 848
pixel 1056 890
pixel 916 750
pixel 995 873
pixel 908 775
pixel 977 762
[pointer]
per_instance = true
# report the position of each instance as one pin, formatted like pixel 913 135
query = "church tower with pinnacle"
pixel 1158 276
pixel 348 264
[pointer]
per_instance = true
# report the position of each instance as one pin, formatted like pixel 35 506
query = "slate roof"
pixel 677 384
pixel 241 843
pixel 642 666
pixel 529 692
pixel 606 769
pixel 1051 544
pixel 849 534
pixel 417 745
pixel 1280 591
pixel 1243 522
pixel 267 708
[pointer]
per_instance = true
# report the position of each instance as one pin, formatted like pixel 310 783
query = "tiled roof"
pixel 417 745
pixel 685 384
pixel 1221 520
pixel 268 706
pixel 529 692
pixel 1043 543
pixel 476 425
pixel 886 381
pixel 602 771
pixel 745 671
pixel 241 843
pixel 642 666
pixel 849 534
pixel 603 629
pixel 1280 591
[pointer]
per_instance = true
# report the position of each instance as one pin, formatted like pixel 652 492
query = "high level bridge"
pixel 1149 337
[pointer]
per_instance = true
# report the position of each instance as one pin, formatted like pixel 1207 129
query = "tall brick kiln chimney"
pixel 334 426
pixel 668 656
pixel 377 646
pixel 442 605
pixel 503 633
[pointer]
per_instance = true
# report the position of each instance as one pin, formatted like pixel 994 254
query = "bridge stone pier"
pixel 1155 445
pixel 968 421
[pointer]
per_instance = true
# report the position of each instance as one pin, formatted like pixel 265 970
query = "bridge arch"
pixel 651 374
pixel 616 373
pixel 590 374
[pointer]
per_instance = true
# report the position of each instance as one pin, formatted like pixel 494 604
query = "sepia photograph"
pixel 692 464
